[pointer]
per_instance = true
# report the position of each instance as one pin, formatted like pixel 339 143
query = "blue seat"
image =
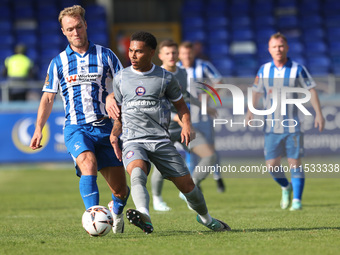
pixel 217 22
pixel 263 8
pixel 264 21
pixel 100 25
pixel 224 65
pixel 238 22
pixel 94 11
pixel 245 65
pixel 29 39
pixel 287 22
pixel 193 7
pixel 196 35
pixel 313 33
pixel 332 20
pixel 6 41
pixel 5 13
pixel 319 65
pixel 5 26
pixel 218 35
pixel 336 64
pixel 217 50
pixel 240 7
pixel 216 6
pixel 49 26
pixel 331 7
pixel 311 21
pixel 68 3
pixel 333 33
pixel 300 59
pixel 192 22
pixel 263 35
pixel 286 3
pixel 244 34
pixel 51 40
pixel 315 47
pixel 100 38
pixel 334 48
pixel 4 53
pixel 309 6
pixel 24 11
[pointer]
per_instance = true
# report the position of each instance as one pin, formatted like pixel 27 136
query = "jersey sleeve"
pixel 52 80
pixel 304 78
pixel 173 90
pixel 258 82
pixel 114 63
pixel 117 88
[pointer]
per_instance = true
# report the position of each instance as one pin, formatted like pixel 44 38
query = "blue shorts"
pixel 290 145
pixel 95 137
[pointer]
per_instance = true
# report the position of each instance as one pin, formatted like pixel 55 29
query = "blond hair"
pixel 73 11
pixel 277 36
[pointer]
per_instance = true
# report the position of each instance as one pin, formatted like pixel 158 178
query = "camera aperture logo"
pixel 209 93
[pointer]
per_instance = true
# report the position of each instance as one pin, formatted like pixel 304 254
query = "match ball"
pixel 97 220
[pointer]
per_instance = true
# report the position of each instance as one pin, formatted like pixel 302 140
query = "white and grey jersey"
pixel 145 100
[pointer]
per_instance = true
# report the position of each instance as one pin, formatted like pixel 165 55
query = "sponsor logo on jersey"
pixel 141 102
pixel 140 91
pixel 130 154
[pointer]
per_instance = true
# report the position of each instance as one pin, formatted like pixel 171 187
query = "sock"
pixel 206 219
pixel 89 190
pixel 201 170
pixel 195 200
pixel 119 204
pixel 139 193
pixel 156 183
pixel 298 182
pixel 280 177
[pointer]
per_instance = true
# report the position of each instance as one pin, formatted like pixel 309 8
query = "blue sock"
pixel 298 182
pixel 119 204
pixel 280 177
pixel 89 190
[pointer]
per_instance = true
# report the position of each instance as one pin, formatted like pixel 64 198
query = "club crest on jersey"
pixel 130 154
pixel 140 91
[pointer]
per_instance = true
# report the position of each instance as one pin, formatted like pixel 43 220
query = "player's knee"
pixel 211 160
pixel 138 177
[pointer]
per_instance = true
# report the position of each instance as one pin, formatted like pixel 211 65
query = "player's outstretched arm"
pixel 114 138
pixel 44 111
pixel 111 106
pixel 187 133
pixel 319 119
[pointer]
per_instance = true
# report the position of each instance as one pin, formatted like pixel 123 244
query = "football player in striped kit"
pixel 83 75
pixel 285 140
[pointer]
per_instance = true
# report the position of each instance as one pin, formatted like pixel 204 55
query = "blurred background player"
pixel 198 69
pixel 168 54
pixel 280 140
pixel 83 74
pixel 144 92
pixel 19 69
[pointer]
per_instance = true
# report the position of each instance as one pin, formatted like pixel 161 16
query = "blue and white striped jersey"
pixel 84 81
pixel 291 74
pixel 201 69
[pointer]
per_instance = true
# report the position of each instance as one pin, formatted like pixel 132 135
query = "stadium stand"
pixel 312 28
pixel 35 23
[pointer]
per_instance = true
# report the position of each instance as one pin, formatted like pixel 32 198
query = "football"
pixel 97 220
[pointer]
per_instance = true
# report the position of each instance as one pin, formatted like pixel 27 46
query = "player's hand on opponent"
pixel 112 107
pixel 35 141
pixel 115 144
pixel 319 122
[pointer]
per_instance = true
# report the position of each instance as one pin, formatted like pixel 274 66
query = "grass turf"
pixel 41 213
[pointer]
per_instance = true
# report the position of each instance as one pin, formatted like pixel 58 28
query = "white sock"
pixel 143 210
pixel 157 199
pixel 206 219
pixel 285 188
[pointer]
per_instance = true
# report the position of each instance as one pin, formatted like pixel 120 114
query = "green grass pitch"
pixel 41 209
